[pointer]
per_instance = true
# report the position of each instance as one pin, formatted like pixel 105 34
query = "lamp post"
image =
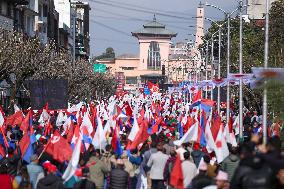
pixel 228 16
pixel 219 61
pixel 241 71
pixel 264 113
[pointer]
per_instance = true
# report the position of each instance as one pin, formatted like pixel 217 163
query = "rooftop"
pixel 154 28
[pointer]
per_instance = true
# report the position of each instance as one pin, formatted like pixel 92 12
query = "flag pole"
pixel 44 149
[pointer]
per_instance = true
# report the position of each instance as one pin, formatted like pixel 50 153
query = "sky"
pixel 112 21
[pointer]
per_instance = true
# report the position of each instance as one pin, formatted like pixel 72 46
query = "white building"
pixel 67 20
pixel 256 9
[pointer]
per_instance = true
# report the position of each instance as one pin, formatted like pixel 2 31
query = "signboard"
pixel 53 91
pixel 120 81
pixel 100 68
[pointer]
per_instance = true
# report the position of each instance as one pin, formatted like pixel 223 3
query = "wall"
pixel 144 43
pixel 63 7
pixel 256 9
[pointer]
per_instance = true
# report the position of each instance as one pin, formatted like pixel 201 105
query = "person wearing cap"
pixel 202 179
pixel 118 176
pixel 222 180
pixel 50 180
pixel 84 182
pixel 34 170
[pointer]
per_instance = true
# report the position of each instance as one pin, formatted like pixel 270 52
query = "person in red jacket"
pixel 5 178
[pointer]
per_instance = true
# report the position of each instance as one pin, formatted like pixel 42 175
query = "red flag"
pixel 230 125
pixel 141 136
pixel 26 122
pixel 2 152
pixel 215 127
pixel 156 125
pixel 59 148
pixel 46 106
pixel 176 179
pixel 197 96
pixel 153 87
pixel 128 110
pixel 15 119
pixel 24 143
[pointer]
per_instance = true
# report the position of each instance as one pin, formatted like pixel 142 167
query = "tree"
pixel 28 60
pixel 109 53
pixel 253 55
pixel 276 35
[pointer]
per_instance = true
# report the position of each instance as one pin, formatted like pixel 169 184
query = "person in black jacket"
pixel 84 183
pixel 252 173
pixel 118 176
pixel 11 162
pixel 50 180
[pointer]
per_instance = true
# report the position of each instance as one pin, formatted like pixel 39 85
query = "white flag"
pixel 87 123
pixel 221 149
pixel 73 163
pixel 99 140
pixel 190 135
pixel 134 130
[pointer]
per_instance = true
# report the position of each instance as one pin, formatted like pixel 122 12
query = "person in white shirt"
pixel 157 164
pixel 189 169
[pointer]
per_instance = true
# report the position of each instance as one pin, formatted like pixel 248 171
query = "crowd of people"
pixel 151 158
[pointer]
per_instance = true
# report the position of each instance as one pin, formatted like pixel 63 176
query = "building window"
pixel 131 80
pixel 127 68
pixel 45 10
pixel 154 57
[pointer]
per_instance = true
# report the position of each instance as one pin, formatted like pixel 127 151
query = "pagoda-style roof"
pixel 154 28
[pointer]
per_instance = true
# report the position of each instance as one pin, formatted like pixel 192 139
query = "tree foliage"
pixel 253 54
pixel 28 59
pixel 109 53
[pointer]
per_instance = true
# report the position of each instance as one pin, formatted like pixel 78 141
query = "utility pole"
pixel 212 63
pixel 206 63
pixel 264 114
pixel 219 70
pixel 241 71
pixel 228 68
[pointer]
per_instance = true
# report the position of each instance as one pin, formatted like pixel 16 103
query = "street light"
pixel 219 60
pixel 228 16
pixel 264 113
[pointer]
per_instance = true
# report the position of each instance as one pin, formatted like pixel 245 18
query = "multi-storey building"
pixel 82 37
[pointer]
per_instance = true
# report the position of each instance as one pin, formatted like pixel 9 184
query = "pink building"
pixel 158 60
pixel 154 44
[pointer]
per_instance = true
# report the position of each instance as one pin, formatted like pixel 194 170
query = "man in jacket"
pixel 98 169
pixel 252 172
pixel 157 164
pixel 118 176
pixel 84 183
pixel 50 180
pixel 230 163
pixel 34 170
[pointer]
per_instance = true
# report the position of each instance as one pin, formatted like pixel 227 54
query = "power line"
pixel 127 17
pixel 147 8
pixel 114 40
pixel 141 10
pixel 111 28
